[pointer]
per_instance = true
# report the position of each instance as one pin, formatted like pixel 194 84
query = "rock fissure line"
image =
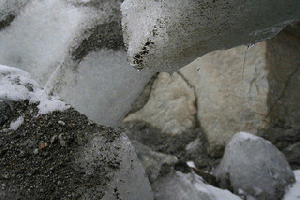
pixel 197 121
pixel 287 83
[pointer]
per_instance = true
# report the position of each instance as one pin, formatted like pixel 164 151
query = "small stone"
pixel 43 145
pixel 5 176
pixel 36 151
pixel 61 123
pixel 53 139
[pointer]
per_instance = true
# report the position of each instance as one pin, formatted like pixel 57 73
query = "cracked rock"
pixel 248 88
pixel 171 106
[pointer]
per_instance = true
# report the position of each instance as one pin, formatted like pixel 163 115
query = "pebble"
pixel 43 145
pixel 61 123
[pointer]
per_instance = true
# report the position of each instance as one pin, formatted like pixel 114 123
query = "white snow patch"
pixel 16 84
pixel 222 194
pixel 16 124
pixel 293 193
pixel 243 136
pixel 217 193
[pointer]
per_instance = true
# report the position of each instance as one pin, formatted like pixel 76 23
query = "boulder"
pixel 48 150
pixel 232 92
pixel 247 88
pixel 253 167
pixel 167 35
pixel 171 106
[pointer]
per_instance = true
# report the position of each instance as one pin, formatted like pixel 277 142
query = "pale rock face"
pixel 171 106
pixel 254 167
pixel 232 91
pixel 167 35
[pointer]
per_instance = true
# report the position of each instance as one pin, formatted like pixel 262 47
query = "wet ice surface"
pixel 103 86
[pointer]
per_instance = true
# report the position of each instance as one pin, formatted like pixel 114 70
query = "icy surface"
pixel 293 193
pixel 16 124
pixel 103 86
pixel 166 35
pixel 16 84
pixel 40 36
pixel 10 7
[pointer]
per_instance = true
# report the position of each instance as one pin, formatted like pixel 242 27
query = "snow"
pixel 16 84
pixel 10 7
pixel 16 124
pixel 40 36
pixel 214 192
pixel 221 194
pixel 293 193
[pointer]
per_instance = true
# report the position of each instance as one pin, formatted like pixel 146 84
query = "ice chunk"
pixel 103 86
